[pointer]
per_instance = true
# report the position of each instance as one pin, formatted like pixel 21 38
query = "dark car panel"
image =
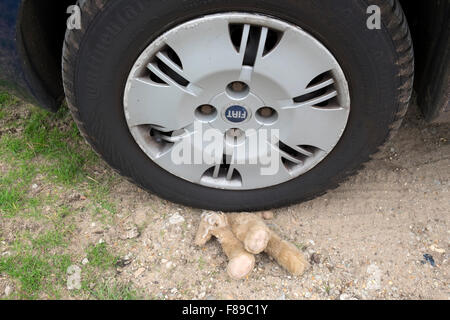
pixel 431 33
pixel 11 75
pixel 31 37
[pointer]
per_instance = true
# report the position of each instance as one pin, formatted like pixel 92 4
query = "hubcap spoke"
pixel 314 126
pixel 255 175
pixel 157 104
pixel 295 62
pixel 186 157
pixel 189 171
pixel 206 49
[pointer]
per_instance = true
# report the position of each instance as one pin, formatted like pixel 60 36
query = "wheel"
pixel 237 105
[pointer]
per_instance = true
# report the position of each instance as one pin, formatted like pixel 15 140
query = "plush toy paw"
pixel 251 230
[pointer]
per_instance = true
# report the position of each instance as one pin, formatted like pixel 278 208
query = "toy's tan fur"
pixel 241 234
pixel 287 255
pixel 241 262
pixel 251 230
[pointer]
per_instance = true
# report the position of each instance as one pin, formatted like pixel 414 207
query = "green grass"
pixel 99 193
pixel 36 274
pixel 37 263
pixel 100 257
pixel 38 147
pixel 52 136
pixel 49 240
pixel 39 271
pixel 102 261
pixel 14 187
pixel 42 138
pixel 114 291
pixel 7 100
pixel 38 142
pixel 29 270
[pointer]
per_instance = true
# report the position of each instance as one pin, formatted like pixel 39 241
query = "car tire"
pixel 378 64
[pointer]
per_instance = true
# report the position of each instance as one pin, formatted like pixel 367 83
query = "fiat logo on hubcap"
pixel 236 114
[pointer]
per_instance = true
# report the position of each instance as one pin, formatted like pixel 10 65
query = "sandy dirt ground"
pixel 368 236
pixel 365 239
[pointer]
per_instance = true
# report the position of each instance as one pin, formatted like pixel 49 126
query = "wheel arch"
pixel 40 35
pixel 430 29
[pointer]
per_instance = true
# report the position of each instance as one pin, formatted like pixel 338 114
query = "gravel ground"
pixel 365 239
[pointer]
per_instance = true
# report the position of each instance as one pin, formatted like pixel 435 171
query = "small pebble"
pixel 315 258
pixel 8 291
pixel 202 295
pixel 176 218
pixel 139 272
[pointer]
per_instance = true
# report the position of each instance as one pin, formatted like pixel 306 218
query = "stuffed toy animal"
pixel 241 262
pixel 244 234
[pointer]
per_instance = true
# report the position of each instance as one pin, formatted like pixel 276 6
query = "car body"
pixel 25 46
pixel 32 34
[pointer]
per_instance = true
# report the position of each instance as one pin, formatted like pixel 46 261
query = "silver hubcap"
pixel 239 74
